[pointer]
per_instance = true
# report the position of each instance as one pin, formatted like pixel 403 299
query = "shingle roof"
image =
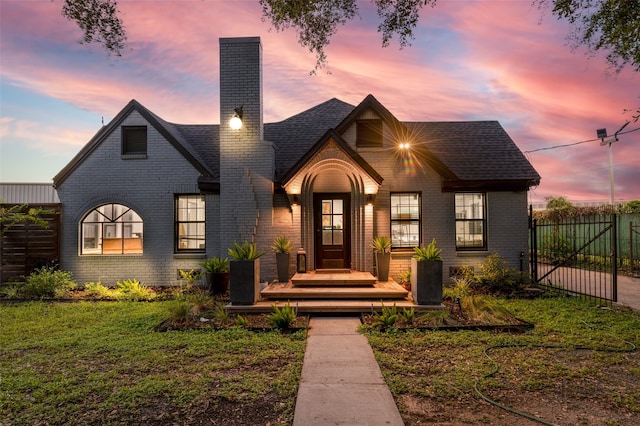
pixel 465 153
pixel 294 136
pixel 476 150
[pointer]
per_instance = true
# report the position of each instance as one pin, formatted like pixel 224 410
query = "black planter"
pixel 426 282
pixel 282 263
pixel 218 282
pixel 244 285
pixel 383 260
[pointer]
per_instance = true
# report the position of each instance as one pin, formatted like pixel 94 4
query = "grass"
pixel 548 363
pixel 100 362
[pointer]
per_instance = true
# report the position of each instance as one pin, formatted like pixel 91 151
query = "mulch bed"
pixel 255 322
pixel 451 319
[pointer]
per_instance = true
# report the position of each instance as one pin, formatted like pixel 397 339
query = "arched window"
pixel 111 229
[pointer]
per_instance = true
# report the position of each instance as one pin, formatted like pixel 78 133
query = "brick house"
pixel 146 197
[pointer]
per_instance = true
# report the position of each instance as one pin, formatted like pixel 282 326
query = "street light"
pixel 602 134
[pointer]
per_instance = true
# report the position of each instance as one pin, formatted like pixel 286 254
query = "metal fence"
pixel 578 254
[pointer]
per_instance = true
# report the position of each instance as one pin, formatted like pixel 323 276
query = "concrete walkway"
pixel 341 381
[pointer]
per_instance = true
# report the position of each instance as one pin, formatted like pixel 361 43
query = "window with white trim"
pixel 405 219
pixel 471 221
pixel 190 223
pixel 111 229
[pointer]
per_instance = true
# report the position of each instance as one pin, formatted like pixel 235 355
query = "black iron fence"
pixel 577 253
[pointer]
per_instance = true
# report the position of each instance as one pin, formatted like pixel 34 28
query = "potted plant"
pixel 426 275
pixel 245 273
pixel 217 274
pixel 282 247
pixel 382 248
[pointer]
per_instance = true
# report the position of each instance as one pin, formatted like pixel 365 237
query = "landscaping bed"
pixel 578 366
pixel 474 313
pixel 254 322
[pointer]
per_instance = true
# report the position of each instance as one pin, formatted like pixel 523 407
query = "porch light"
pixel 370 199
pixel 295 201
pixel 236 121
pixel 404 145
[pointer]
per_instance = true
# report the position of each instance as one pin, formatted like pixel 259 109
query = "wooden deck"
pixel 332 291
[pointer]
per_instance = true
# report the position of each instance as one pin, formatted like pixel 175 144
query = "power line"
pixel 577 143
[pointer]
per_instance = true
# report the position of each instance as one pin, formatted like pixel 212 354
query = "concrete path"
pixel 341 381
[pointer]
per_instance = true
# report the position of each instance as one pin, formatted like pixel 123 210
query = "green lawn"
pixel 101 362
pixel 547 370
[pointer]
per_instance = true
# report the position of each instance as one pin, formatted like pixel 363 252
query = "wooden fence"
pixel 26 246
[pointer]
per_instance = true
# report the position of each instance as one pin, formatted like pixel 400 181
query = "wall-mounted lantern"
pixel 370 199
pixel 301 261
pixel 236 121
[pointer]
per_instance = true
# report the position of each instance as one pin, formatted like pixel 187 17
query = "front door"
pixel 332 236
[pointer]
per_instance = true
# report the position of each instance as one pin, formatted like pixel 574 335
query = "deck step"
pixel 329 306
pixel 377 292
pixel 333 277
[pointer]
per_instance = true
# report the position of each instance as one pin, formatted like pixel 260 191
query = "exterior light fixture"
pixel 404 145
pixel 370 199
pixel 301 261
pixel 236 121
pixel 295 201
pixel 602 134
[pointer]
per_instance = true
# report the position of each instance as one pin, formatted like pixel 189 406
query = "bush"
pixel 282 317
pixel 459 289
pixel 179 310
pixel 133 290
pixel 386 318
pixel 99 291
pixel 496 277
pixel 48 282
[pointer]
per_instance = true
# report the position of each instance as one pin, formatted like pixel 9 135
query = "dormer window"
pixel 134 140
pixel 369 133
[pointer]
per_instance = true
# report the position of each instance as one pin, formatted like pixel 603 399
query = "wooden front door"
pixel 333 230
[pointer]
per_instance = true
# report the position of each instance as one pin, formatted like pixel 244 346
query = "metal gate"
pixel 576 253
pixel 633 265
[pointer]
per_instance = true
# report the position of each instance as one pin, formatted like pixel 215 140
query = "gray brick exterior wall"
pixel 145 185
pixel 245 209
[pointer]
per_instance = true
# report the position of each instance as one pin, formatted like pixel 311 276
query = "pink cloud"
pixel 486 60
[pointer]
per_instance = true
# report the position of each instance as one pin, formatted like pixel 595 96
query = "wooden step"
pixel 333 277
pixel 379 291
pixel 328 306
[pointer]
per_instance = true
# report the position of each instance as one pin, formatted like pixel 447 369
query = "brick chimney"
pixel 246 160
pixel 241 85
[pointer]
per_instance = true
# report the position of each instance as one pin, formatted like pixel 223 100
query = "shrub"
pixel 241 321
pixel 10 291
pixel 459 289
pixel 220 313
pixel 200 301
pixel 484 309
pixel 99 291
pixel 496 277
pixel 386 318
pixel 179 310
pixel 133 290
pixel 282 317
pixel 48 282
pixel 408 315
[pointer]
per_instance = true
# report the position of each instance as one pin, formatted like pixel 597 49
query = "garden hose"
pixel 630 348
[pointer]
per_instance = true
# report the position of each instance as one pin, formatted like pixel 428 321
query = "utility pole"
pixel 602 134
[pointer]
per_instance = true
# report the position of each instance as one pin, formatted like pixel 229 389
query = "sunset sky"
pixel 470 60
